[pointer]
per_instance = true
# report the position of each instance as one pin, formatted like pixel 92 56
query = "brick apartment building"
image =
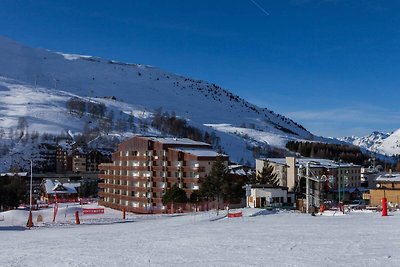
pixel 78 160
pixel 143 168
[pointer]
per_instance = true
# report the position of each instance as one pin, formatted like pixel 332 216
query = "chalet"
pixel 65 192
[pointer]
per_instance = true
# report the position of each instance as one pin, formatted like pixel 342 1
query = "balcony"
pixel 158 179
pixel 158 189
pixel 139 158
pixel 158 168
pixel 172 179
pixel 157 200
pixel 190 180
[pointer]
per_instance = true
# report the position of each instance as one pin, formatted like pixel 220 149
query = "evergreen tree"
pixel 215 184
pixel 12 191
pixel 267 175
pixel 174 195
pixel 195 198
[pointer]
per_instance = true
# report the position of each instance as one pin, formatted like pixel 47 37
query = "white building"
pixel 259 196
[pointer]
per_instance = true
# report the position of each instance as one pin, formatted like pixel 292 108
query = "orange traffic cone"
pixel 77 217
pixel 29 224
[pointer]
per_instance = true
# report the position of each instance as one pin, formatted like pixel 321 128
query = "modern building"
pixel 368 177
pixel 387 185
pixel 259 196
pixel 72 158
pixel 337 178
pixel 143 168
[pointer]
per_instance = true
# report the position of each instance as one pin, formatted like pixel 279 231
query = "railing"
pixel 139 158
pixel 158 189
pixel 158 179
pixel 190 180
pixel 123 197
pixel 124 187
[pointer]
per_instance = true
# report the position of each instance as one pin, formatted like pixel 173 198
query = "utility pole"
pixel 310 177
pixel 338 181
pixel 308 187
pixel 29 224
pixel 30 190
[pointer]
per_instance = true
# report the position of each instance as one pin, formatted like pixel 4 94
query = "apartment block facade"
pixel 338 177
pixel 143 169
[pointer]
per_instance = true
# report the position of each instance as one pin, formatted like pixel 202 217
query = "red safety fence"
pixel 235 215
pixel 93 211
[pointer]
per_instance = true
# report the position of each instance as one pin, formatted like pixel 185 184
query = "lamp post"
pixel 30 190
pixel 30 221
pixel 338 182
pixel 308 187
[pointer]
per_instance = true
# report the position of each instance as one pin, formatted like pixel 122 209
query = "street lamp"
pixel 30 190
pixel 30 221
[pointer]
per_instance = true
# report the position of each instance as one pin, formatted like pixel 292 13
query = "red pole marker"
pixel 77 217
pixel 384 207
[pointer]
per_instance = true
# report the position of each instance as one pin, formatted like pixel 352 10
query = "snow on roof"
pixel 177 141
pixel 314 163
pixel 267 186
pixel 394 177
pixel 65 145
pixel 200 152
pixel 53 187
pixel 14 174
pixel 239 170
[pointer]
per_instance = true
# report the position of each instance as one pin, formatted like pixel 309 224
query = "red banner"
pixel 234 215
pixel 93 211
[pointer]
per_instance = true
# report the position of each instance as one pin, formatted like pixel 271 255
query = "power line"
pixel 260 7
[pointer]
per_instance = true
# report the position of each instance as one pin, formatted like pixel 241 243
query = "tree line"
pixel 346 153
pixel 172 125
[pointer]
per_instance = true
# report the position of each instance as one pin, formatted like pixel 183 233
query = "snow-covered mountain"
pixel 36 84
pixel 382 143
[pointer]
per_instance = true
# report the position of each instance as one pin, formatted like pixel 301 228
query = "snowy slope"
pixel 197 100
pixel 382 143
pixel 36 83
pixel 273 239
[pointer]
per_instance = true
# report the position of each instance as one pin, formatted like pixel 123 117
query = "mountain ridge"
pixel 44 81
pixel 377 142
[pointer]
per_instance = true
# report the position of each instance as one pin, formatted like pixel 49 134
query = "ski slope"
pixel 269 239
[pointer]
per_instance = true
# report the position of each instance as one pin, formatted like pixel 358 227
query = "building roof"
pixel 240 170
pixel 267 186
pixel 13 174
pixel 200 152
pixel 177 141
pixel 53 187
pixel 314 163
pixel 389 177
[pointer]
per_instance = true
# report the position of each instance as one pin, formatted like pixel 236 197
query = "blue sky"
pixel 333 66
